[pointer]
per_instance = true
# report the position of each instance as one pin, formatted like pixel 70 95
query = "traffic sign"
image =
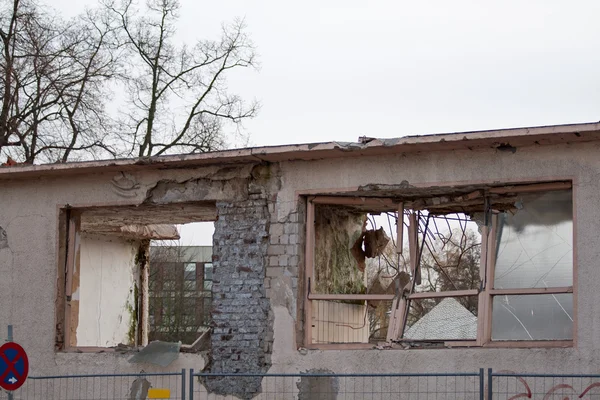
pixel 14 366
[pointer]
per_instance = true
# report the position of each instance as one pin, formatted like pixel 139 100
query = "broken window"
pixel 355 263
pixel 442 319
pixel 106 296
pixel 467 266
pixel 534 257
pixel 442 305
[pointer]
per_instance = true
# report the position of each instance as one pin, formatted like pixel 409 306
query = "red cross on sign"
pixel 14 366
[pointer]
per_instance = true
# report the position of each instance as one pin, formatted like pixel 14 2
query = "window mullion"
pixel 490 260
pixel 532 291
pixel 309 269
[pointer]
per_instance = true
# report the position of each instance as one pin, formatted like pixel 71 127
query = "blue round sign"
pixel 14 366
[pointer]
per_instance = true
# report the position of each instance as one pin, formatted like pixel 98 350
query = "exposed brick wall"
pixel 242 336
pixel 286 260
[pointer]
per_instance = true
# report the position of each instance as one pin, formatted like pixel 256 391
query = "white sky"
pixel 337 70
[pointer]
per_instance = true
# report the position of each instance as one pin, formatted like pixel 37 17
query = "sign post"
pixel 14 365
pixel 10 339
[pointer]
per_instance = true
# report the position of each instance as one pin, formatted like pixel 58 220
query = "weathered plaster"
pixel 108 277
pixel 447 169
pixel 28 265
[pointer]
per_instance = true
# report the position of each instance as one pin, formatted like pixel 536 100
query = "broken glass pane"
pixel 379 319
pixel 533 317
pixel 450 318
pixel 451 253
pixel 158 353
pixel 535 242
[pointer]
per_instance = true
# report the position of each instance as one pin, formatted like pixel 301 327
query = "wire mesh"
pixel 337 386
pixel 99 387
pixel 544 386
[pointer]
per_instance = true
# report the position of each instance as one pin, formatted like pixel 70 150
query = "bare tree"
pixel 179 100
pixel 54 77
pixel 451 263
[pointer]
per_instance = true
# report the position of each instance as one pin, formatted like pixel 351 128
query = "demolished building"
pixel 318 247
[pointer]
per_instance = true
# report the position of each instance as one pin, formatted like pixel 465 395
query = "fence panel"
pixel 101 387
pixel 315 386
pixel 509 385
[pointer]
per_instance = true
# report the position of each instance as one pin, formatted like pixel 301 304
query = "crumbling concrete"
pixel 29 269
pixel 198 189
pixel 3 239
pixel 242 336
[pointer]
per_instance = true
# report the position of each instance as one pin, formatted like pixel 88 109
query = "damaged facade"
pixel 374 249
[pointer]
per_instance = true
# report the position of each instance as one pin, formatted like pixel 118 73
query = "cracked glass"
pixel 535 242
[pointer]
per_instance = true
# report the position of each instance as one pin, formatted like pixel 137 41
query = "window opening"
pixel 466 267
pixel 181 285
pixel 108 299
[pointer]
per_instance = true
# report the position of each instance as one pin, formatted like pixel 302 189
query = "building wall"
pixel 575 162
pixel 184 253
pixel 28 262
pixel 108 277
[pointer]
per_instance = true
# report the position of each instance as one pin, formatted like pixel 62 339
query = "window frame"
pixel 68 260
pixel 487 269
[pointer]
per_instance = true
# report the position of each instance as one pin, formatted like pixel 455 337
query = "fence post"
pixel 183 385
pixel 489 382
pixel 191 394
pixel 481 384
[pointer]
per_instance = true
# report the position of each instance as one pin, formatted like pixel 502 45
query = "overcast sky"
pixel 337 70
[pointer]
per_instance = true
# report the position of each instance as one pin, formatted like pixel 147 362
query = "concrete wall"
pixel 108 277
pixel 577 162
pixel 28 261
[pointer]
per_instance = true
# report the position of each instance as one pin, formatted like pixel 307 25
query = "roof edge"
pixel 540 135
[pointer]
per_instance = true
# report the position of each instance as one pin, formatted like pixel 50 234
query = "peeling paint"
pixel 169 191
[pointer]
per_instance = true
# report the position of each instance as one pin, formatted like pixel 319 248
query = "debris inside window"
pixel 468 266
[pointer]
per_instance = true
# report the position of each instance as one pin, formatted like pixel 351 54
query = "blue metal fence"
pixel 326 386
pixel 317 385
pixel 100 386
